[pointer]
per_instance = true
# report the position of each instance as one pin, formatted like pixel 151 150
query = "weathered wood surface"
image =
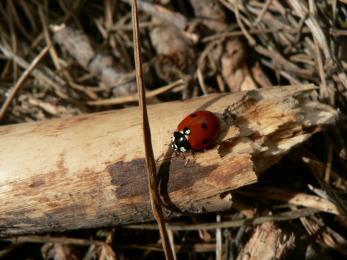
pixel 88 171
pixel 268 241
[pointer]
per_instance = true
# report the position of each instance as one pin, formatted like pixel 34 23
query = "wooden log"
pixel 88 171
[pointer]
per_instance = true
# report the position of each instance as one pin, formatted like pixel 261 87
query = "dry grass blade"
pixel 38 74
pixel 288 215
pixel 318 173
pixel 21 81
pixel 196 247
pixel 294 198
pixel 7 250
pixel 134 98
pixel 150 162
pixel 60 240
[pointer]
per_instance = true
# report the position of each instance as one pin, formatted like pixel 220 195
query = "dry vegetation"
pixel 64 58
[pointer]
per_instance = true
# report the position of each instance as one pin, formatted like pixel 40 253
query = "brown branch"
pixel 21 80
pixel 104 67
pixel 37 73
pixel 162 13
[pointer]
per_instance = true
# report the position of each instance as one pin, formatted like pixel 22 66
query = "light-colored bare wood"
pixel 88 171
pixel 267 242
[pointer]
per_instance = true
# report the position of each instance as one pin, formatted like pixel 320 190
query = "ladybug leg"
pixel 192 153
pixel 176 153
pixel 184 156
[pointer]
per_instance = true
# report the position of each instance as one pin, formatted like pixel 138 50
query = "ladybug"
pixel 196 132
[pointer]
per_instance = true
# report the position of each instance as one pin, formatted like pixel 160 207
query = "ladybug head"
pixel 180 142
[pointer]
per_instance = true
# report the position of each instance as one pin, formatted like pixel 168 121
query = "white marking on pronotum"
pixel 187 132
pixel 182 149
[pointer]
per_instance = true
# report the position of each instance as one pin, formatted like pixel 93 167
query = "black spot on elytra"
pixel 205 141
pixel 204 126
pixel 193 115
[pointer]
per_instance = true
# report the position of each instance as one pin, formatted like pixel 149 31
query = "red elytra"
pixel 196 131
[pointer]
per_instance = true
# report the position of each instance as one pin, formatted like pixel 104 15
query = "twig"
pixel 294 198
pixel 263 11
pixel 52 51
pixel 55 58
pixel 77 43
pixel 201 81
pixel 300 28
pixel 318 171
pixel 219 247
pixel 250 39
pixel 150 162
pixel 321 193
pixel 21 81
pixel 122 79
pixel 313 24
pixel 9 249
pixel 293 214
pixel 172 241
pixel 61 240
pixel 37 73
pixel 256 31
pixel 329 163
pixel 134 98
pixel 196 247
pixel 333 9
pixel 163 14
pixel 324 235
pixel 323 86
pixel 337 32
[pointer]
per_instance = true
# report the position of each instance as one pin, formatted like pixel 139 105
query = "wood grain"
pixel 88 171
pixel 268 241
